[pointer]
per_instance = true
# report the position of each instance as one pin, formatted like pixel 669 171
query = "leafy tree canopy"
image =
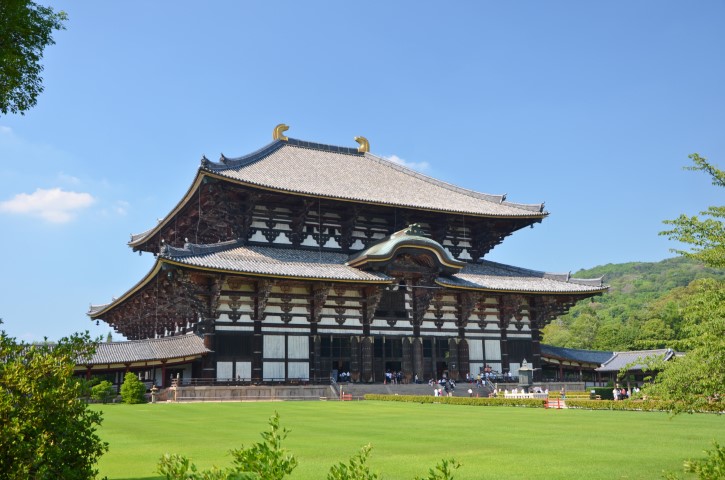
pixel 643 309
pixel 705 235
pixel 46 431
pixel 26 28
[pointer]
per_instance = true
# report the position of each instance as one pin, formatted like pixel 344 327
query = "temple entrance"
pixel 388 356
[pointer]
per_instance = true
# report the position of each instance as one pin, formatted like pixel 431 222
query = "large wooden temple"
pixel 301 259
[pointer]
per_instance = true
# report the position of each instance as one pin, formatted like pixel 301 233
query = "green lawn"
pixel 408 439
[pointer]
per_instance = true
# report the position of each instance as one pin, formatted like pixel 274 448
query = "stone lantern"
pixel 526 375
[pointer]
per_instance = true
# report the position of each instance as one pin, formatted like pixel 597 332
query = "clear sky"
pixel 591 107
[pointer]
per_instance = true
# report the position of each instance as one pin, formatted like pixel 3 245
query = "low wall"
pixel 220 393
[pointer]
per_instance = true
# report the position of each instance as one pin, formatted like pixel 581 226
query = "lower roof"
pixel 596 357
pixel 135 351
pixel 635 360
pixel 234 257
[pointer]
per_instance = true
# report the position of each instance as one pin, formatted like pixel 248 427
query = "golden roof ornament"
pixel 364 144
pixel 278 133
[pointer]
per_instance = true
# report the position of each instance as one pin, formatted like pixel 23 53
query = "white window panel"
pixel 298 347
pixel 299 370
pixel 493 350
pixel 273 346
pixel 273 371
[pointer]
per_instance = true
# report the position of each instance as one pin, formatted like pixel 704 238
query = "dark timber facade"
pixel 301 259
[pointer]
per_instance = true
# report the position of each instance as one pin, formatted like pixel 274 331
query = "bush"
pixel 46 431
pixel 267 460
pixel 604 392
pixel 478 402
pixel 133 390
pixel 710 468
pixel 649 405
pixel 102 392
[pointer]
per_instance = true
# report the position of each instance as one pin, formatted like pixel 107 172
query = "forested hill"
pixel 643 309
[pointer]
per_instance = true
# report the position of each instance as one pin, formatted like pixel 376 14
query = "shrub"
pixel 267 460
pixel 710 468
pixel 46 431
pixel 102 392
pixel 133 390
pixel 479 402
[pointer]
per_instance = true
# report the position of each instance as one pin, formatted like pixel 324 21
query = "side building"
pixel 301 259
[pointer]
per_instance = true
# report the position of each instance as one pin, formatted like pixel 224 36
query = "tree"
pixel 698 377
pixel 26 28
pixel 707 236
pixel 133 390
pixel 46 431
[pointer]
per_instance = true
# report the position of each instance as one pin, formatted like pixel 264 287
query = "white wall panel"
pixel 298 347
pixel 273 346
pixel 273 371
pixel 493 350
pixel 224 370
pixel 244 370
pixel 299 370
pixel 475 350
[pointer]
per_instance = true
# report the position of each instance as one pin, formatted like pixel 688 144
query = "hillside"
pixel 641 309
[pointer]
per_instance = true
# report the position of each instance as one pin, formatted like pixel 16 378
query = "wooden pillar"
pixel 257 345
pixel 263 289
pixel 164 384
pixel 355 359
pixel 505 366
pixel 417 347
pixel 408 358
pixel 88 372
pixel 315 367
pixel 453 365
pixel 366 347
pixel 463 360
pixel 208 362
pixel 536 351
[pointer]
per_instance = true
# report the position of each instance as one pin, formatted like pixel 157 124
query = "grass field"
pixel 408 439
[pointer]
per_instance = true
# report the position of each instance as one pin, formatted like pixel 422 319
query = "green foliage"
pixel 605 393
pixel 133 390
pixel 46 431
pixel 710 468
pixel 26 28
pixel 649 405
pixel 179 467
pixel 442 471
pixel 696 381
pixel 267 459
pixel 479 402
pixel 642 311
pixel 355 469
pixel 705 236
pixel 102 392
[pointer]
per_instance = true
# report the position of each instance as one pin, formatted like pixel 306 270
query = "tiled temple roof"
pixel 506 278
pixel 327 171
pixel 168 348
pixel 308 168
pixel 284 262
pixel 572 354
pixel 634 360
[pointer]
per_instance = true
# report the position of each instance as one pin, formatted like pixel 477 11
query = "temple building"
pixel 302 259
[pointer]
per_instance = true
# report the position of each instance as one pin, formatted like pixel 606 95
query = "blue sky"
pixel 591 107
